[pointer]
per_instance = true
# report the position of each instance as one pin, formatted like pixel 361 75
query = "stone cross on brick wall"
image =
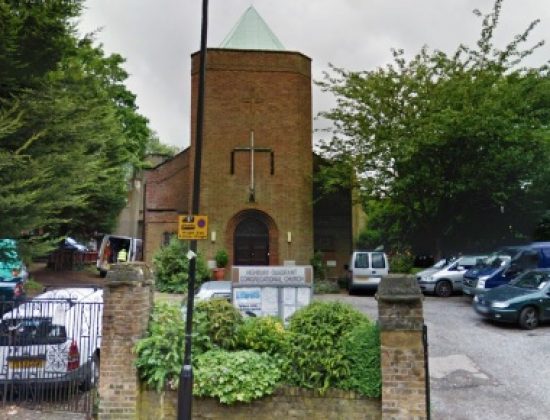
pixel 253 99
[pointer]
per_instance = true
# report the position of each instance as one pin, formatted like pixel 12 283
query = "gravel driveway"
pixel 479 370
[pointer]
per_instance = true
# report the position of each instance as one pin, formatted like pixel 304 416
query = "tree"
pixel 70 133
pixel 450 152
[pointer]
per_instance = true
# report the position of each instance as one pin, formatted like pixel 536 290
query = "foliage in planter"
pixel 159 355
pixel 171 267
pixel 221 258
pixel 362 350
pixel 215 325
pixel 264 335
pixel 325 286
pixel 316 358
pixel 235 376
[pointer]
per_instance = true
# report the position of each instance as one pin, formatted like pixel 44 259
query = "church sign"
pixel 271 290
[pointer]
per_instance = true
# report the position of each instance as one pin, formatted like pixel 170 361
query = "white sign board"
pixel 272 290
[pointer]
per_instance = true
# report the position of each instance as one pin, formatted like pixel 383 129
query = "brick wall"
pixel 401 321
pixel 279 83
pixel 167 189
pixel 286 403
pixel 128 299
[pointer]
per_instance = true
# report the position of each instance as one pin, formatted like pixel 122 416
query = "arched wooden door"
pixel 251 242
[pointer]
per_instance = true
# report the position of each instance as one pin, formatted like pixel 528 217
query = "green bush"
pixel 264 335
pixel 401 262
pixel 325 286
pixel 318 264
pixel 171 267
pixel 215 324
pixel 235 376
pixel 362 349
pixel 160 353
pixel 316 357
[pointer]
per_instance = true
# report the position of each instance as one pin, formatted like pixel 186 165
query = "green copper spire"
pixel 251 33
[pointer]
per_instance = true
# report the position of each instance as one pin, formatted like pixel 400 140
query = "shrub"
pixel 316 359
pixel 325 286
pixel 160 353
pixel 171 267
pixel 235 376
pixel 318 264
pixel 264 335
pixel 215 324
pixel 401 262
pixel 362 350
pixel 221 258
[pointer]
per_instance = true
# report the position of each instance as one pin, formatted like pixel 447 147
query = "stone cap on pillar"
pixel 395 288
pixel 129 274
pixel 400 304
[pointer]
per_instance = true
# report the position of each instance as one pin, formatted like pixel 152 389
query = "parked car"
pixel 434 268
pixel 508 263
pixel 13 275
pixel 448 279
pixel 110 247
pixel 525 300
pixel 214 289
pixel 53 338
pixel 366 269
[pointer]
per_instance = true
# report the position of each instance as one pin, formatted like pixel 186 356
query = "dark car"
pixel 13 274
pixel 525 300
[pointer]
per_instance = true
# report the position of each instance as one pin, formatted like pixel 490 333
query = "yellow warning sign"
pixel 192 227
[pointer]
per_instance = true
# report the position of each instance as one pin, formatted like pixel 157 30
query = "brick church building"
pixel 257 161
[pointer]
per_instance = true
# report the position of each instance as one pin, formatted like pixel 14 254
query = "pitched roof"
pixel 251 33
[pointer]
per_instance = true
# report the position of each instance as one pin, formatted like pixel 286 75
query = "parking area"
pixel 478 369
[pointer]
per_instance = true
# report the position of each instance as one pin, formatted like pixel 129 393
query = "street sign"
pixel 192 227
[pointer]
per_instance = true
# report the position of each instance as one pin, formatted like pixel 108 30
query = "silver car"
pixel 448 279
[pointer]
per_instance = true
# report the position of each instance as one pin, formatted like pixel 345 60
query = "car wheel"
pixel 444 288
pixel 528 318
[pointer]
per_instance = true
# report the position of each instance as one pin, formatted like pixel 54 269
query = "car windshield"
pixel 442 263
pixel 31 331
pixel 532 280
pixel 495 260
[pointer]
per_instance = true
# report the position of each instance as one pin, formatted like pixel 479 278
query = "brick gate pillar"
pixel 128 301
pixel 402 351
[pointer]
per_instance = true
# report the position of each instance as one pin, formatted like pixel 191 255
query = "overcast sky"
pixel 157 38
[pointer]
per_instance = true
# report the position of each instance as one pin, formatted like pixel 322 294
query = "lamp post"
pixel 185 392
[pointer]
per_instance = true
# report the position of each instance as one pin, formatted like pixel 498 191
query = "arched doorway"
pixel 251 242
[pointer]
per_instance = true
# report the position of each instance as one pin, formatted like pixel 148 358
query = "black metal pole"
pixel 185 392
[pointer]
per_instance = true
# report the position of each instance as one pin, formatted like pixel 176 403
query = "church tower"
pixel 256 181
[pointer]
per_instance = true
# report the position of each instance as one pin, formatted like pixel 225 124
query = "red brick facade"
pixel 268 92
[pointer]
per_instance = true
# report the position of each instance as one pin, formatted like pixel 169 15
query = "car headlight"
pixel 476 298
pixel 429 279
pixel 500 304
pixel 481 281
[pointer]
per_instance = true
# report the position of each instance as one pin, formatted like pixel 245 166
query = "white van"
pixel 53 338
pixel 366 269
pixel 111 246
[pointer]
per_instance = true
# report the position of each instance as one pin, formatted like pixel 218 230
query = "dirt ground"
pixel 58 279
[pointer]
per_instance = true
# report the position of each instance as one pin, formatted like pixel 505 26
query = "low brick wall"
pixel 286 403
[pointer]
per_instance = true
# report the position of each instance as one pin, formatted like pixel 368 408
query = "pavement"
pixel 50 278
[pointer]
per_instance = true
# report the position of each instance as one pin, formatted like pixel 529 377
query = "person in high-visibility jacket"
pixel 122 255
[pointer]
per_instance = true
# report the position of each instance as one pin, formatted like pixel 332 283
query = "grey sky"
pixel 158 37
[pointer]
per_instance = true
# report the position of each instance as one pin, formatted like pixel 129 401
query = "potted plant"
pixel 221 258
